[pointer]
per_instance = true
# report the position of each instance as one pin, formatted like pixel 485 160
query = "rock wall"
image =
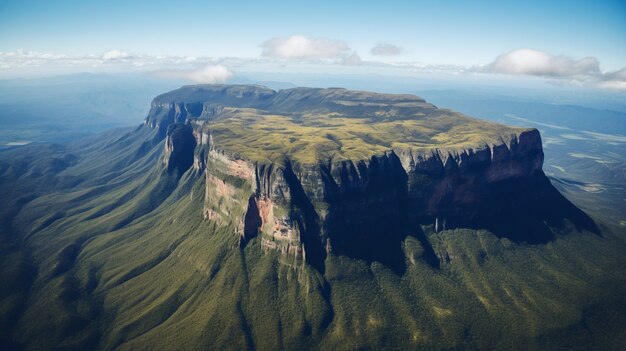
pixel 366 208
pixel 179 148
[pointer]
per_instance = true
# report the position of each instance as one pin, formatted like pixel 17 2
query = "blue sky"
pixel 448 32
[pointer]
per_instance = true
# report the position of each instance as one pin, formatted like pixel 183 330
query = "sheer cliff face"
pixel 179 147
pixel 362 208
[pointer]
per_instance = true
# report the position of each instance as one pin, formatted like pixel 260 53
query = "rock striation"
pixel 396 166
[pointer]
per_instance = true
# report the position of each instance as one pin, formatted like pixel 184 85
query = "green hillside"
pixel 103 247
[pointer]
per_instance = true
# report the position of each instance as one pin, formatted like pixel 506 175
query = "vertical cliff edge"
pixel 317 171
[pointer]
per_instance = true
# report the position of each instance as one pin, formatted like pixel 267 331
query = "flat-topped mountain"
pixel 239 217
pixel 355 172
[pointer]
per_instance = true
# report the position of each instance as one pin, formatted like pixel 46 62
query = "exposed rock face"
pixel 208 102
pixel 205 104
pixel 179 147
pixel 361 208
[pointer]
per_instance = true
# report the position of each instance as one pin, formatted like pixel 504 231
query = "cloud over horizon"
pixel 614 80
pixel 540 63
pixel 27 61
pixel 299 47
pixel 351 60
pixel 209 74
pixel 386 49
pixel 301 53
pixel 115 55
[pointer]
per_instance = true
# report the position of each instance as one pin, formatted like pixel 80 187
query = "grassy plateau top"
pixel 309 124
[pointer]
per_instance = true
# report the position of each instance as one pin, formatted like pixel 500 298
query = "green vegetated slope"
pixel 102 248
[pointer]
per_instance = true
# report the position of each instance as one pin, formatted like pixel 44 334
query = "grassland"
pixel 262 136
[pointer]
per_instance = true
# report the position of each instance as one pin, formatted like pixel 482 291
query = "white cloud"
pixel 616 75
pixel 23 58
pixel 323 55
pixel 612 85
pixel 352 60
pixel 210 74
pixel 28 62
pixel 614 80
pixel 205 75
pixel 301 47
pixel 386 49
pixel 585 71
pixel 540 63
pixel 115 55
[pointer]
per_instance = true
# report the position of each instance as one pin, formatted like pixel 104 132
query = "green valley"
pixel 238 217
